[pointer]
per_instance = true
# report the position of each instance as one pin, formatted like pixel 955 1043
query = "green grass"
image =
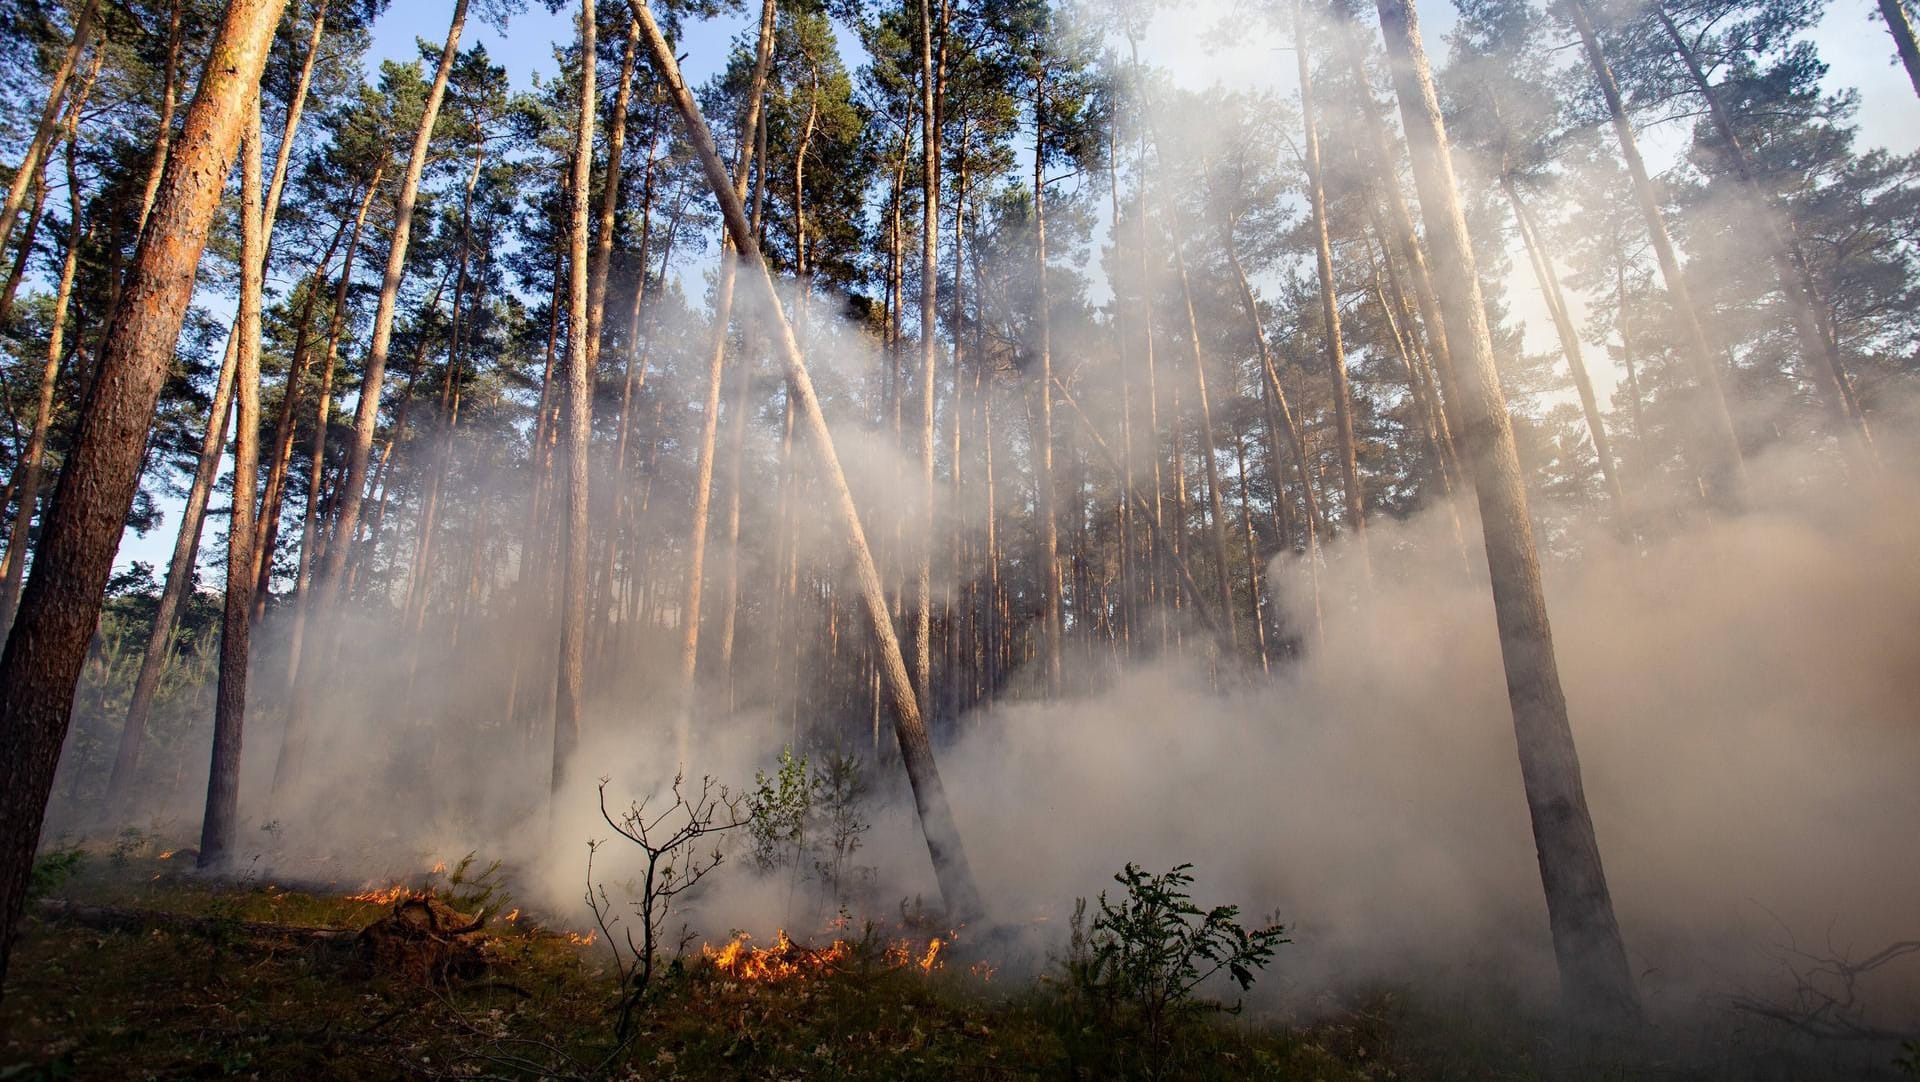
pixel 158 1003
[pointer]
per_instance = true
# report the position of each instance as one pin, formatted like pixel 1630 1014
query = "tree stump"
pixel 424 939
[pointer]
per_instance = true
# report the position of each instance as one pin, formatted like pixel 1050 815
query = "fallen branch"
pixel 119 919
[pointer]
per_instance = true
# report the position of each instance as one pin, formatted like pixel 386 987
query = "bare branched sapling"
pixel 676 861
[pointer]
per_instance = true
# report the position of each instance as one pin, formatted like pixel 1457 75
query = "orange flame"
pixel 579 940
pixel 513 916
pixel 382 896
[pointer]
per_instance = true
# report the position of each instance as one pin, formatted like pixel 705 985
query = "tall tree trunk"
pixel 1403 238
pixel 310 536
pixel 1216 516
pixel 929 355
pixel 169 102
pixel 331 578
pixel 26 485
pixel 230 700
pixel 23 253
pixel 1595 980
pixel 579 434
pixel 44 133
pixel 737 436
pixel 267 523
pixel 710 417
pixel 1054 628
pixel 1329 297
pixel 1819 342
pixel 916 751
pixel 1723 467
pixel 1569 340
pixel 1900 24
pixel 419 582
pixel 61 604
pixel 186 544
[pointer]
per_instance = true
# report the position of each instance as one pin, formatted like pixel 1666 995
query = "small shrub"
pixel 53 868
pixel 1134 975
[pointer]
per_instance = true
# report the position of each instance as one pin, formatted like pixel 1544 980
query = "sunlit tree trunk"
pixel 230 698
pixel 1596 983
pixel 45 133
pixel 311 538
pixel 1329 298
pixel 32 461
pixel 1569 340
pixel 330 579
pixel 169 102
pixel 1724 468
pixel 1900 24
pixel 1819 343
pixel 916 751
pixel 61 604
pixel 710 417
pixel 21 255
pixel 579 428
pixel 1045 497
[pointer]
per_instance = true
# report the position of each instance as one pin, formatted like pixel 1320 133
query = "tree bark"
pixel 1900 25
pixel 1569 341
pixel 710 415
pixel 1595 981
pixel 230 700
pixel 1329 299
pixel 1054 628
pixel 43 134
pixel 579 434
pixel 311 538
pixel 61 605
pixel 916 751
pixel 929 356
pixel 169 102
pixel 1724 469
pixel 1819 342
pixel 26 485
pixel 330 579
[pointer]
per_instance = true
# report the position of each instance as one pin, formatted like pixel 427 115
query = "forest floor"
pixel 189 979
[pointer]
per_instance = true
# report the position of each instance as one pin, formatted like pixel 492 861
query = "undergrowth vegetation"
pixel 192 980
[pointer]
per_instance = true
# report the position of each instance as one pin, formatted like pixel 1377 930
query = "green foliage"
pixel 53 868
pixel 473 892
pixel 1134 976
pixel 807 817
pixel 778 810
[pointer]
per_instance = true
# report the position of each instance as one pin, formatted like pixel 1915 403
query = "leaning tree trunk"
pixel 1819 342
pixel 317 448
pixel 26 483
pixel 916 751
pixel 710 416
pixel 44 133
pixel 331 576
pixel 579 434
pixel 230 699
pixel 186 546
pixel 1595 980
pixel 1724 469
pixel 61 605
pixel 1569 341
pixel 169 102
pixel 1900 25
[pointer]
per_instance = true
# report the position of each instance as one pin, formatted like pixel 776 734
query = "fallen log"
pixel 111 918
